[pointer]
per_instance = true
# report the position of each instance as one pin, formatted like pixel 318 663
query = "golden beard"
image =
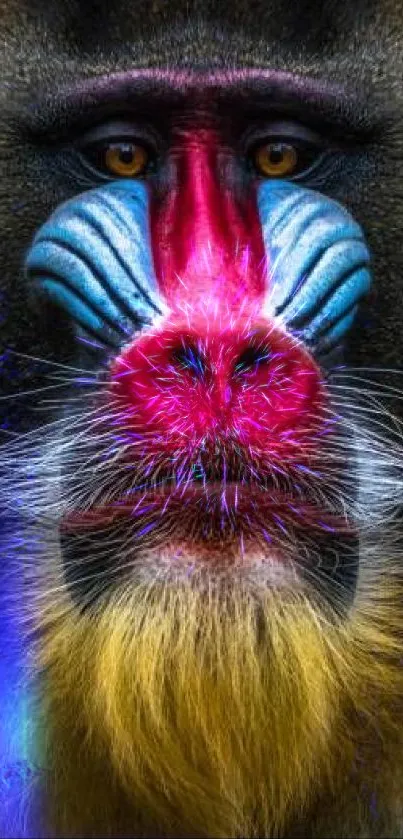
pixel 218 711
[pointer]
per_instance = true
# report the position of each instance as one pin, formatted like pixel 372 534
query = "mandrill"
pixel 201 604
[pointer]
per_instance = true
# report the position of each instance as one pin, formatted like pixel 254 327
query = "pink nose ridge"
pixel 251 383
pixel 207 240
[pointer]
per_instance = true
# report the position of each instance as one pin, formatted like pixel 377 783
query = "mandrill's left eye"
pixel 276 160
pixel 286 151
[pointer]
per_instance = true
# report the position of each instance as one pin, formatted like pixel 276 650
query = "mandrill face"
pixel 204 531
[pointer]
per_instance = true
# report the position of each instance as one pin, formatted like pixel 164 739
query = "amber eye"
pixel 117 157
pixel 126 160
pixel 276 160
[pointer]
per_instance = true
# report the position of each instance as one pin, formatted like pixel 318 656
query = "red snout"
pixel 247 384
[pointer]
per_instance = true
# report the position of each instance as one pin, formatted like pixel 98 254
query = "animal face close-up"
pixel 201 460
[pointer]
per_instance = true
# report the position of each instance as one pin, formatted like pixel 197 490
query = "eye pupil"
pixel 126 153
pixel 276 152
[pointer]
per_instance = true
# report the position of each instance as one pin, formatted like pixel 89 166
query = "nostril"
pixel 188 356
pixel 252 357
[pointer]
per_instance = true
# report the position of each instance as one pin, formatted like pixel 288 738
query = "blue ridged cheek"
pixel 93 257
pixel 319 262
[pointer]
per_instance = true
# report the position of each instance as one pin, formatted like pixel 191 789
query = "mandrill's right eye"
pixel 114 151
pixel 126 160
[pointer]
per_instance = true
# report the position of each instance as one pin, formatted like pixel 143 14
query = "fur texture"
pixel 214 706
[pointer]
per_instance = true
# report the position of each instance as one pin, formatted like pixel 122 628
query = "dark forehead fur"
pixel 89 24
pixel 358 45
pixel 207 34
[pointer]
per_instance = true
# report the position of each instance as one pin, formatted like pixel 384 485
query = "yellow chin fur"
pixel 177 711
